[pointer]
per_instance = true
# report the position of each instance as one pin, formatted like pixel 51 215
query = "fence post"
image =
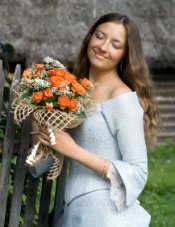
pixel 45 202
pixel 19 175
pixel 59 197
pixel 1 85
pixel 7 154
pixel 30 203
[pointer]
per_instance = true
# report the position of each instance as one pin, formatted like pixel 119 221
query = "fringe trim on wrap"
pixel 42 154
pixel 56 120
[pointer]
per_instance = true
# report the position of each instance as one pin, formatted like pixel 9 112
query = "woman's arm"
pixel 68 147
pixel 92 161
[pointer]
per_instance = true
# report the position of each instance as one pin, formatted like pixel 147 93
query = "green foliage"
pixel 159 195
pixel 6 50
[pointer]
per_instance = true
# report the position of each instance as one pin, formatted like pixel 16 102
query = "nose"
pixel 104 46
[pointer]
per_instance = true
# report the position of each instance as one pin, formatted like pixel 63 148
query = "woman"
pixel 108 152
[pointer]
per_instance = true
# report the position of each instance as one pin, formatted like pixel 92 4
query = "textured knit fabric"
pixel 114 131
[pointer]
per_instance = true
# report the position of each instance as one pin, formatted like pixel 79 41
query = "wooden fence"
pixel 24 183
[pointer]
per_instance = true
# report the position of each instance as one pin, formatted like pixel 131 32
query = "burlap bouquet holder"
pixel 55 120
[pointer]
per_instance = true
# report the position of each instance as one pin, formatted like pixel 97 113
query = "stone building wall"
pixel 38 28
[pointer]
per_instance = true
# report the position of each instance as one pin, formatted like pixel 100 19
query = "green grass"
pixel 158 197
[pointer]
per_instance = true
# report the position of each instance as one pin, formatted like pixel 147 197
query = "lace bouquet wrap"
pixel 57 101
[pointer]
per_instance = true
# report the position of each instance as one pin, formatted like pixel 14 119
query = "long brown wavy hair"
pixel 135 72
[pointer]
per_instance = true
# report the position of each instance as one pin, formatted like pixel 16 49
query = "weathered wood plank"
pixel 20 175
pixel 45 202
pixel 31 200
pixel 15 147
pixel 7 149
pixel 1 86
pixel 59 197
pixel 7 155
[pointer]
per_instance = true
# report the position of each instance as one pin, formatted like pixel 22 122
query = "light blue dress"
pixel 115 131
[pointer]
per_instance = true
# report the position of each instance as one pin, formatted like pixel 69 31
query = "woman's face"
pixel 107 46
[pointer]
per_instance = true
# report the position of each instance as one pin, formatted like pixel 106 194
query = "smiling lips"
pixel 99 55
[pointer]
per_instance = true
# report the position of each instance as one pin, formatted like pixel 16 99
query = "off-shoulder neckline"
pixel 117 97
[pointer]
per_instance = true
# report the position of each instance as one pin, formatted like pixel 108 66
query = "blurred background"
pixel 55 28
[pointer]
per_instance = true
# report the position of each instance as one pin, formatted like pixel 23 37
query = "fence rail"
pixel 24 183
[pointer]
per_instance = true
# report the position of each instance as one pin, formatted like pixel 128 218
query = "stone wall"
pixel 38 28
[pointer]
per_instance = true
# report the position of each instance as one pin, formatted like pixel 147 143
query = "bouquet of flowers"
pixel 57 101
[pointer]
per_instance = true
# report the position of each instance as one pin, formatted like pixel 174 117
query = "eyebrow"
pixel 115 40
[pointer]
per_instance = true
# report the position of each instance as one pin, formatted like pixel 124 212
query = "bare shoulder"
pixel 118 90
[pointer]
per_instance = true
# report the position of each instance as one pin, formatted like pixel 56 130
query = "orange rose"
pixel 86 83
pixel 76 87
pixel 56 81
pixel 63 101
pixel 39 66
pixel 37 74
pixel 37 96
pixel 47 93
pixel 27 72
pixel 51 72
pixel 73 104
pixel 49 106
pixel 56 72
pixel 69 77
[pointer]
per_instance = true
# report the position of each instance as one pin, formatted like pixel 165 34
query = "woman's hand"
pixel 68 147
pixel 64 142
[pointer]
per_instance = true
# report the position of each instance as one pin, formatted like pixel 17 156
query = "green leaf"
pixel 9 81
pixel 3 48
pixel 5 62
pixel 10 49
pixel 6 94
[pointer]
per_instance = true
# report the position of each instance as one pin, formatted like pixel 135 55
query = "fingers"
pixel 47 138
pixel 44 136
pixel 43 141
pixel 44 130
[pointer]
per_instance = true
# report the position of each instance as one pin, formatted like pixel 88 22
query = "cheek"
pixel 93 42
pixel 90 48
pixel 90 42
pixel 117 56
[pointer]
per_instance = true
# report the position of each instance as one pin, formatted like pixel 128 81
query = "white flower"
pixel 39 83
pixel 51 63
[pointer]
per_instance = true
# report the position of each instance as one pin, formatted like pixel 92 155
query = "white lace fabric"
pixel 117 191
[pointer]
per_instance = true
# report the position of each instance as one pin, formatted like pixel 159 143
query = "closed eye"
pixel 99 36
pixel 116 46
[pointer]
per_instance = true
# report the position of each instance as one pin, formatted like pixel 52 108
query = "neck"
pixel 97 76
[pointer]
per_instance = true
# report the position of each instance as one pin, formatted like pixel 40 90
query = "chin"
pixel 100 67
pixel 98 64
